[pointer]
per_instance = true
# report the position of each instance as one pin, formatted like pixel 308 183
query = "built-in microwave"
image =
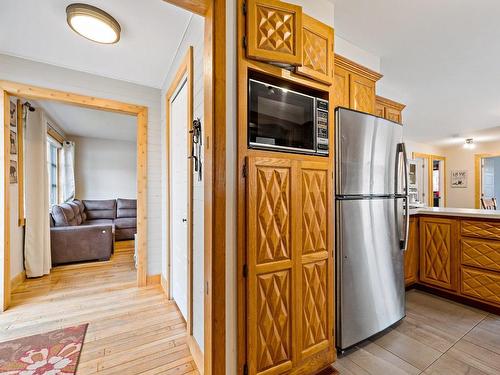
pixel 285 120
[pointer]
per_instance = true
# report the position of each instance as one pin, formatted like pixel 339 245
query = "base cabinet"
pixel 412 253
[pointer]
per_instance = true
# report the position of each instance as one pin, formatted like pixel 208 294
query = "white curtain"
pixel 37 236
pixel 67 168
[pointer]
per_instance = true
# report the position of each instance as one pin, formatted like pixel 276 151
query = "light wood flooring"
pixel 131 330
pixel 436 337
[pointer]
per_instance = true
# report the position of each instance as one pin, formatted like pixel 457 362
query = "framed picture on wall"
pixel 13 114
pixel 459 178
pixel 13 143
pixel 13 172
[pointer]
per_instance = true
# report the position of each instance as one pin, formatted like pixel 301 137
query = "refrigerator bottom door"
pixel 370 268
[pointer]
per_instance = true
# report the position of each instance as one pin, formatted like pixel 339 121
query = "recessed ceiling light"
pixel 93 23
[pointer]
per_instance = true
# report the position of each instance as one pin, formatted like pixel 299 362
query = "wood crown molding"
pixel 196 6
pixel 390 103
pixel 352 66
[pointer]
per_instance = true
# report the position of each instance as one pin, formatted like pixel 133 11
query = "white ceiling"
pixel 151 33
pixel 92 123
pixel 442 60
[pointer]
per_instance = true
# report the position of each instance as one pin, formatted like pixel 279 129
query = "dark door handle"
pixel 184 220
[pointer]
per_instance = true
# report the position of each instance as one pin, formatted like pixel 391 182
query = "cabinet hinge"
pixel 245 8
pixel 245 369
pixel 333 332
pixel 245 42
pixel 245 271
pixel 245 170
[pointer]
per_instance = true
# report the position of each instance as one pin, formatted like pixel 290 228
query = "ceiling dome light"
pixel 469 144
pixel 93 23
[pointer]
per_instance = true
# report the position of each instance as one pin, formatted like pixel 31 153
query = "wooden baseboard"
pixel 164 286
pixel 196 353
pixel 17 280
pixel 153 279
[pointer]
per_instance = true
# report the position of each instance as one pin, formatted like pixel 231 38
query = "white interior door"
pixel 179 197
pixel 488 182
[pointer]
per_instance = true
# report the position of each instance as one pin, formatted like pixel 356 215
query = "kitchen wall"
pixel 421 148
pixel 45 75
pixel 194 36
pixel 459 158
pixel 105 168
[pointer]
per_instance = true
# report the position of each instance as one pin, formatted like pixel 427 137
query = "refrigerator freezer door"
pixel 366 152
pixel 370 273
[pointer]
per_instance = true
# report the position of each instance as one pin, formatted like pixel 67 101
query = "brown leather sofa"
pixel 86 230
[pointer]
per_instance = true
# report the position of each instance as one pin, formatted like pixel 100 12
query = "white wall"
pixel 105 168
pixel 194 36
pixel 421 148
pixel 458 157
pixel 44 75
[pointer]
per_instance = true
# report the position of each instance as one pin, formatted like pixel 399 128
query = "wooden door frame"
pixel 24 91
pixel 430 158
pixel 478 176
pixel 214 138
pixel 184 73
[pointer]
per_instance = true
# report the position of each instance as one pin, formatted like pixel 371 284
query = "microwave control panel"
pixel 322 126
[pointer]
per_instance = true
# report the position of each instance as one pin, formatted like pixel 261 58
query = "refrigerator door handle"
pixel 406 208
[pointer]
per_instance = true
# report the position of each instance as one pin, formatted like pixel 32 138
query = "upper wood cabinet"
pixel 438 252
pixel 389 109
pixel 317 41
pixel 274 32
pixel 354 85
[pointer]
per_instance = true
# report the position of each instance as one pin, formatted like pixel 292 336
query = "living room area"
pixel 74 174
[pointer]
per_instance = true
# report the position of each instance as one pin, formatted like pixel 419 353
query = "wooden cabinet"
pixel 317 41
pixel 290 265
pixel 354 85
pixel 412 253
pixel 438 252
pixel 389 109
pixel 274 32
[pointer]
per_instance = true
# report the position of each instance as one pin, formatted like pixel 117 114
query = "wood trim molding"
pixel 196 6
pixel 390 103
pixel 352 66
pixel 24 91
pixel 21 220
pixel 54 134
pixel 17 280
pixel 477 176
pixel 153 279
pixel 196 353
pixel 430 158
pixel 185 71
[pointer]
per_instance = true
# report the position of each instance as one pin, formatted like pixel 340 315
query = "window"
pixel 53 167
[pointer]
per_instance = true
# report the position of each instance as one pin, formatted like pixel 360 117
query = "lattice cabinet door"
pixel 317 41
pixel 274 32
pixel 438 252
pixel 341 87
pixel 362 93
pixel 314 260
pixel 379 110
pixel 412 253
pixel 270 280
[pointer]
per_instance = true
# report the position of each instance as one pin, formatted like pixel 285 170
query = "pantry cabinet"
pixel 318 56
pixel 274 32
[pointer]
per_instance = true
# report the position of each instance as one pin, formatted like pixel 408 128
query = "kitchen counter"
pixel 457 212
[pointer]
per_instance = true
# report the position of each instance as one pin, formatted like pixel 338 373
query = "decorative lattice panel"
pixel 314 303
pixel 341 91
pixel 273 220
pixel 314 211
pixel 273 319
pixel 481 229
pixel 481 284
pixel 363 97
pixel 437 252
pixel 275 30
pixel 315 52
pixel 483 254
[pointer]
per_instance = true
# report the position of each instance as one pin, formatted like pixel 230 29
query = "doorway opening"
pixel 487 181
pixel 430 180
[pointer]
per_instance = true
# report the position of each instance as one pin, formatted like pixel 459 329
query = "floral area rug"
pixel 51 353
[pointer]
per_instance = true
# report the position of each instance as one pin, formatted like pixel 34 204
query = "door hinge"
pixel 245 369
pixel 245 271
pixel 245 42
pixel 245 170
pixel 333 332
pixel 245 8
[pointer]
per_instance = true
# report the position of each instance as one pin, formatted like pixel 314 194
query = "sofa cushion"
pixel 125 222
pixel 82 209
pixel 98 222
pixel 63 215
pixel 126 207
pixel 76 211
pixel 100 209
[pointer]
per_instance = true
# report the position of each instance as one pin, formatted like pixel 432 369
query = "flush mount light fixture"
pixel 469 143
pixel 93 23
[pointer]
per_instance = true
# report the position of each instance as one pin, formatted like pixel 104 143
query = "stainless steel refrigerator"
pixel 371 192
